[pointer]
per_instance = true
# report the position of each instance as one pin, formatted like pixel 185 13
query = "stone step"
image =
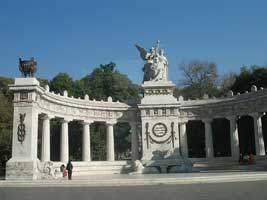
pixel 260 163
pixel 97 167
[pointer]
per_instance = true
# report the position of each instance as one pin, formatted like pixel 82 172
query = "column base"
pixel 20 169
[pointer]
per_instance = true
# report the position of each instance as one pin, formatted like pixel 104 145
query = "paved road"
pixel 256 190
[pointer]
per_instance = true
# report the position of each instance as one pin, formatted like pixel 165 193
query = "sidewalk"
pixel 147 179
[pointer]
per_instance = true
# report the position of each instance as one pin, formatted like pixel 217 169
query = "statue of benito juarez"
pixel 156 67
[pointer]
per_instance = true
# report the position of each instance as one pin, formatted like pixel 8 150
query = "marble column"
pixel 45 154
pixel 134 141
pixel 64 141
pixel 110 142
pixel 259 140
pixel 234 137
pixel 183 138
pixel 86 148
pixel 208 138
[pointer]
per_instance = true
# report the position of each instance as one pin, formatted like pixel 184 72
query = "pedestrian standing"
pixel 69 168
pixel 241 159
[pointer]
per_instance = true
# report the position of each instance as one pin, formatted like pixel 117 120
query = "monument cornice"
pixel 241 104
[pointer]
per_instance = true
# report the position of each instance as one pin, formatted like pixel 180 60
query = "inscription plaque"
pixel 159 129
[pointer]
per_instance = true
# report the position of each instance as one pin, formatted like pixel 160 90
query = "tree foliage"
pixel 62 82
pixel 226 83
pixel 43 82
pixel 255 75
pixel 199 78
pixel 6 119
pixel 105 81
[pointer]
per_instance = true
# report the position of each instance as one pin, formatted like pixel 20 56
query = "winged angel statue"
pixel 156 66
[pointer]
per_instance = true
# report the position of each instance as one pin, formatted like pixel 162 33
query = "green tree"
pixel 255 75
pixel 226 83
pixel 98 141
pixel 76 140
pixel 43 82
pixel 62 82
pixel 79 89
pixel 122 140
pixel 6 119
pixel 105 81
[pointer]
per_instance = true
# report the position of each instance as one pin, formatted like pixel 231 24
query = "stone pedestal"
pixel 22 169
pixel 158 93
pixel 23 164
pixel 160 126
pixel 26 81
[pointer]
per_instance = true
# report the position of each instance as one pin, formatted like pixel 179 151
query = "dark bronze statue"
pixel 27 67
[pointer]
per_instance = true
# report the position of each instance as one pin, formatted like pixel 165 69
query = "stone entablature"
pixel 84 109
pixel 72 108
pixel 240 104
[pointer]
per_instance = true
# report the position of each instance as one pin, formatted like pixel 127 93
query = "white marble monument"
pixel 159 113
pixel 161 119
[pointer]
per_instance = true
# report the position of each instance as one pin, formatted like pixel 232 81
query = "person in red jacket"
pixel 250 159
pixel 64 171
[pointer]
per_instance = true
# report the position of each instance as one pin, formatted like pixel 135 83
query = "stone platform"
pixel 142 179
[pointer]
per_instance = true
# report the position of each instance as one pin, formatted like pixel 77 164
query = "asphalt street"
pixel 256 190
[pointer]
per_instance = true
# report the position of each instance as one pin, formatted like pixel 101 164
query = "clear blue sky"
pixel 76 36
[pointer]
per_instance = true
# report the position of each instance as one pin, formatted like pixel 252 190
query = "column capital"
pixel 183 121
pixel 207 120
pixel 85 122
pixel 230 118
pixel 66 120
pixel 256 115
pixel 111 122
pixel 134 123
pixel 47 116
